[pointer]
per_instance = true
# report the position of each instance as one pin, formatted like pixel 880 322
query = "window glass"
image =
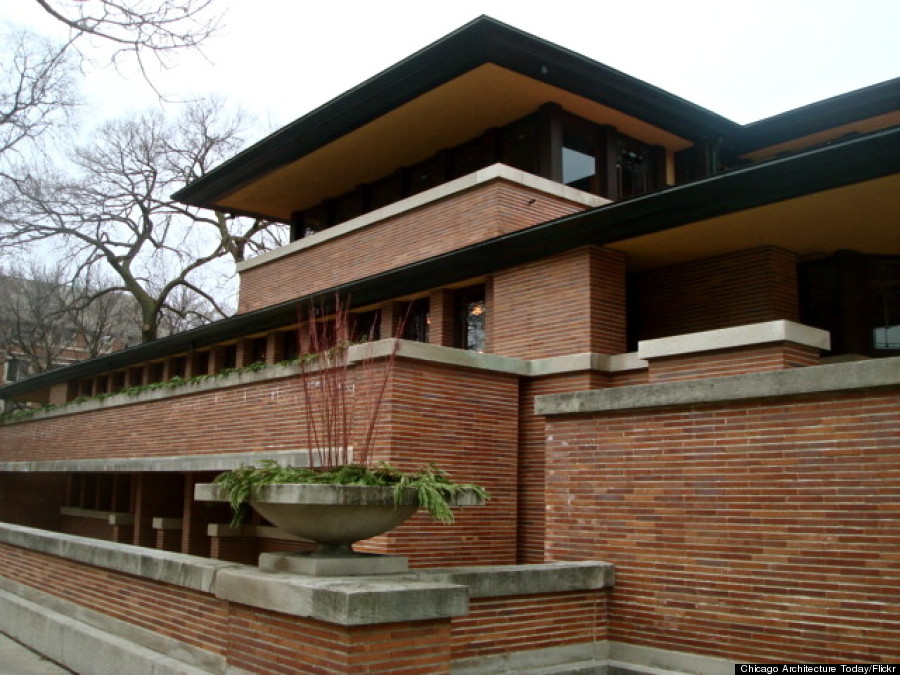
pixel 418 321
pixel 471 313
pixel 578 153
pixel 886 287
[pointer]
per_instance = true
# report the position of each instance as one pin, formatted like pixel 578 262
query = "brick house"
pixel 664 341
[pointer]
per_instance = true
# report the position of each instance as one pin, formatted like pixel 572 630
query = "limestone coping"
pixel 850 376
pixel 735 337
pixel 178 463
pixel 467 182
pixel 174 568
pixel 412 596
pixel 354 601
pixel 504 580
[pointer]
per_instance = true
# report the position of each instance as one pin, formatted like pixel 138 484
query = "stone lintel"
pixel 850 376
pixel 360 601
pixel 168 524
pixel 111 517
pixel 734 338
pixel 225 531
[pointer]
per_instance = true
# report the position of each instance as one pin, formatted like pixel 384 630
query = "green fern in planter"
pixel 434 489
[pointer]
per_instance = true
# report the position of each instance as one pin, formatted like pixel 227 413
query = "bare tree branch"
pixel 116 214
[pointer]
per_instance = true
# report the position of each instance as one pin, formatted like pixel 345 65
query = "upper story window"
pixel 551 143
pixel 418 321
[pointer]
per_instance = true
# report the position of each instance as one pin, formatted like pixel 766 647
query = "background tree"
pixel 116 213
pixel 45 321
pixel 38 76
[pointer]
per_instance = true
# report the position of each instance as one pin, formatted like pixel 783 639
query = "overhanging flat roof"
pixel 710 210
pixel 483 75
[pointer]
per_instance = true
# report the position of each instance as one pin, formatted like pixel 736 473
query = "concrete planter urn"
pixel 334 517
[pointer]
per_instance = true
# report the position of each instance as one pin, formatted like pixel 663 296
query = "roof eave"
pixel 481 41
pixel 844 163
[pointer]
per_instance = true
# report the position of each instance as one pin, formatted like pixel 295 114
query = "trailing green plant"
pixel 434 488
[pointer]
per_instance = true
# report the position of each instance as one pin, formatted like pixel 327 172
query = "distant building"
pixel 661 339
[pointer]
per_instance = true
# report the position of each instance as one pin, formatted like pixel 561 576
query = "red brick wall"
pixel 459 220
pixel 731 290
pixel 732 362
pixel 466 423
pixel 495 626
pixel 263 641
pixel 266 642
pixel 531 525
pixel 754 531
pixel 196 618
pixel 569 303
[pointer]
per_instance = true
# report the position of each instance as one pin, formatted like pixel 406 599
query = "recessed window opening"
pixel 886 287
pixel 471 314
pixel 418 321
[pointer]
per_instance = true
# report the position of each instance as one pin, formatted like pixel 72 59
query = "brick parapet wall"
pixel 464 420
pixel 468 217
pixel 202 623
pixel 740 288
pixel 758 530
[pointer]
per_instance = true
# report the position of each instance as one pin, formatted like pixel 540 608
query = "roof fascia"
pixel 852 161
pixel 877 99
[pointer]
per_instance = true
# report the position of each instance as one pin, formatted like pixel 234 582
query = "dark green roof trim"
pixel 853 106
pixel 852 161
pixel 484 40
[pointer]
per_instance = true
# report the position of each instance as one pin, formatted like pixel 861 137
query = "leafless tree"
pixel 46 321
pixel 36 90
pixel 38 76
pixel 137 27
pixel 117 212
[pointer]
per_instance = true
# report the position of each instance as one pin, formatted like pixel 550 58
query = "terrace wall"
pixel 743 523
pixel 464 420
pixel 459 219
pixel 100 607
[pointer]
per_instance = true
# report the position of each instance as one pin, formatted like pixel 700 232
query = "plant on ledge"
pixel 341 412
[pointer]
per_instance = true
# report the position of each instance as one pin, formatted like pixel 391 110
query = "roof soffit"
pixel 478 43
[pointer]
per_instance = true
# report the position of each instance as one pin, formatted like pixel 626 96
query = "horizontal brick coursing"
pixel 464 421
pixel 459 220
pixel 732 362
pixel 496 626
pixel 732 290
pixel 267 642
pixel 567 304
pixel 531 525
pixel 196 618
pixel 754 531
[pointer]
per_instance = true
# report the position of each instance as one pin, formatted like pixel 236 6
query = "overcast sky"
pixel 744 60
